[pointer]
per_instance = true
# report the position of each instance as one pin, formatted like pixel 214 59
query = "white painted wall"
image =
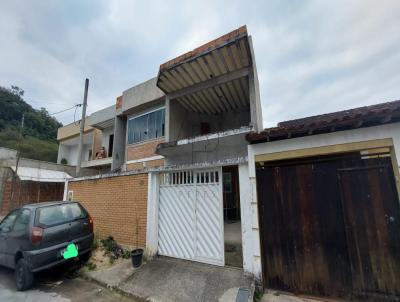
pixel 152 215
pixel 70 153
pixel 342 137
pixel 249 219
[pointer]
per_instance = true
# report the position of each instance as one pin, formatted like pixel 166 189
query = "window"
pixel 59 214
pixel 147 126
pixel 8 222
pixel 21 223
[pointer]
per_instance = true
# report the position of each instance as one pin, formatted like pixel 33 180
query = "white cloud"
pixel 312 56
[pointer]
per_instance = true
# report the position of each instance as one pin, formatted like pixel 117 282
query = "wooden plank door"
pixel 302 231
pixel 372 217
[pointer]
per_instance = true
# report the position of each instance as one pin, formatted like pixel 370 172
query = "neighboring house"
pixel 98 134
pixel 181 153
pixel 328 202
pixel 29 181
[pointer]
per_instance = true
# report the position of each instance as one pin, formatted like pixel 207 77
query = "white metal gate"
pixel 191 216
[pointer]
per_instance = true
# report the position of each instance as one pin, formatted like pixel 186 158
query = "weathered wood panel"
pixel 371 213
pixel 307 222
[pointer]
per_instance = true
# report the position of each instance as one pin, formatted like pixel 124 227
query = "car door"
pixel 18 237
pixel 6 227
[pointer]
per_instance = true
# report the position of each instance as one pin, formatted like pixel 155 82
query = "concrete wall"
pixel 184 123
pixel 212 150
pixel 141 94
pixel 102 115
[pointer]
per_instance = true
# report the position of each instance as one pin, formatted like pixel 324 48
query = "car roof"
pixel 45 204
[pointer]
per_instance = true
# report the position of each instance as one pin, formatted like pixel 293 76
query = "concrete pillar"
pixel 120 127
pixel 254 93
pixel 167 118
pixel 249 219
pixel 152 215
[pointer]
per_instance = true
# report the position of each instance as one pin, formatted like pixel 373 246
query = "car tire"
pixel 23 275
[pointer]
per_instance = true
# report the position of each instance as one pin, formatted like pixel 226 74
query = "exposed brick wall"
pixel 146 164
pixel 26 192
pixel 114 203
pixel 142 150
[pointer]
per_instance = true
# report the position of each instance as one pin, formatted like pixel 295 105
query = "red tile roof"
pixel 341 120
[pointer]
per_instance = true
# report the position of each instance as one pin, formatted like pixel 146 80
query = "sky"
pixel 312 56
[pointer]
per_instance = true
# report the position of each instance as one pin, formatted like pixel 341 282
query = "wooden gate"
pixel 330 226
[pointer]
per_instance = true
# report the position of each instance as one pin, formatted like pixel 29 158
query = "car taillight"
pixel 37 234
pixel 90 223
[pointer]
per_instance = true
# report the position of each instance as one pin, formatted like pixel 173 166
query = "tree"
pixel 40 129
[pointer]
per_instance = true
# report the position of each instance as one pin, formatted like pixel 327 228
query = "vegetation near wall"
pixel 39 135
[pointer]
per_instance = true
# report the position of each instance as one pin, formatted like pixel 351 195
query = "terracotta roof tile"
pixel 336 121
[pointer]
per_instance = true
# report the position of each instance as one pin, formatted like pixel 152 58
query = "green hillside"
pixel 39 135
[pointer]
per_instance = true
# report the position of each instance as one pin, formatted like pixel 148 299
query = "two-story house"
pixel 98 141
pixel 186 127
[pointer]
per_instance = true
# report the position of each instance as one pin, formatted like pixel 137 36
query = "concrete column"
pixel 152 215
pixel 118 158
pixel 254 93
pixel 250 232
pixel 167 118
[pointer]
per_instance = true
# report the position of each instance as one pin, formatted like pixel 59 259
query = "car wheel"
pixel 23 275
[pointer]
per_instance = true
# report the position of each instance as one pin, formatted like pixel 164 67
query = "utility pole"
pixel 82 129
pixel 21 136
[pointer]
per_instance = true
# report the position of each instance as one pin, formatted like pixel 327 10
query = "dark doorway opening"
pixel 232 221
pixel 110 145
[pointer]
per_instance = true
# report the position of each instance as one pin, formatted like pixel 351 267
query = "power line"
pixel 75 106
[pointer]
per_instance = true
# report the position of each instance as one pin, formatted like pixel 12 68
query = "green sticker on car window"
pixel 70 252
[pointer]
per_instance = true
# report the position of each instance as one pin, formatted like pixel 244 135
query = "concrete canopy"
pixel 213 77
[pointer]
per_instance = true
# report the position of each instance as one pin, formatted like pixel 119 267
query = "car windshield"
pixel 58 214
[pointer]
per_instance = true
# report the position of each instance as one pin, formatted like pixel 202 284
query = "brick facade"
pixel 26 192
pixel 142 150
pixel 114 203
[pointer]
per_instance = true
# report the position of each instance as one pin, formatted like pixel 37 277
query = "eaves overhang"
pixel 362 117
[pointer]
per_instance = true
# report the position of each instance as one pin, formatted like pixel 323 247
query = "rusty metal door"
pixel 314 222
pixel 372 219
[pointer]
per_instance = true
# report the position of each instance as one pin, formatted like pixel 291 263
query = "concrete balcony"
pixel 97 162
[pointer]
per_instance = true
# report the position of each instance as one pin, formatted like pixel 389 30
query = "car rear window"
pixel 59 214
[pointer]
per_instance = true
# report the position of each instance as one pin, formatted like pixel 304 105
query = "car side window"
pixel 8 222
pixel 22 221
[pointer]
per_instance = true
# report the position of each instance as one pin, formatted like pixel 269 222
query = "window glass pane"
pixel 142 126
pixel 130 131
pixel 8 222
pixel 59 214
pixel 152 125
pixel 21 224
pixel 146 126
pixel 162 122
